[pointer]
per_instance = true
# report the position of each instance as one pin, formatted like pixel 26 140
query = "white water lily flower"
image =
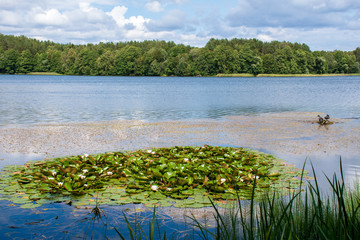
pixel 186 160
pixel 86 155
pixel 168 189
pixel 60 184
pixel 154 188
pixel 85 185
pixel 149 151
pixel 109 173
pixel 51 178
pixel 222 180
pixel 85 171
pixel 82 176
pixel 53 173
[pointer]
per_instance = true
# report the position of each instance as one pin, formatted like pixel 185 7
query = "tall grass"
pixel 304 214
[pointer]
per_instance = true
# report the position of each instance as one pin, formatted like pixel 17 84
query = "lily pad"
pixel 179 176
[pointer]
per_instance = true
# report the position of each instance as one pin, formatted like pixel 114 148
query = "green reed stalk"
pixel 303 214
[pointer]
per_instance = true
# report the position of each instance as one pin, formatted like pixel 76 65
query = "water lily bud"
pixel 109 173
pixel 51 178
pixel 186 160
pixel 154 188
pixel 168 189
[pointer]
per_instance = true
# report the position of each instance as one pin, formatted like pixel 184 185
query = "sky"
pixel 321 24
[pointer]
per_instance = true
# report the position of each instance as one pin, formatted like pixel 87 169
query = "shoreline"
pixel 220 75
pixel 288 75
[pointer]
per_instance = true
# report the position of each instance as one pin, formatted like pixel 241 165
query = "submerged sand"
pixel 288 133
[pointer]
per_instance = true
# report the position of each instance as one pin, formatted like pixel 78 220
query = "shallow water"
pixel 48 116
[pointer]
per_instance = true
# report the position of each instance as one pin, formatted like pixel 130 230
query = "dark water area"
pixel 28 100
pixel 61 221
pixel 43 99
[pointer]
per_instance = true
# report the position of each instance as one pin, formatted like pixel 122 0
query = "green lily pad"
pixel 180 176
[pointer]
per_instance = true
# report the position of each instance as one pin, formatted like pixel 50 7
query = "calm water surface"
pixel 41 99
pixel 45 99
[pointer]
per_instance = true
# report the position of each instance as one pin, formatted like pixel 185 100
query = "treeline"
pixel 160 58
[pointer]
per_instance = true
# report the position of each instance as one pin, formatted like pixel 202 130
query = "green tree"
pixel 153 62
pixel 2 60
pixel 26 62
pixel 11 61
pixel 320 65
pixel 42 63
pixel 249 61
pixel 203 62
pixel 68 61
pixel 105 64
pixel 126 60
pixel 285 61
pixel 226 59
pixel 85 62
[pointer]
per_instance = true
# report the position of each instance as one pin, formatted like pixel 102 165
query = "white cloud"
pixel 265 37
pixel 185 21
pixel 154 6
pixel 118 14
pixel 48 17
pixel 9 18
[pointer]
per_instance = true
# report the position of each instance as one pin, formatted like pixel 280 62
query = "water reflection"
pixel 61 221
pixel 34 99
pixel 18 158
pixel 327 165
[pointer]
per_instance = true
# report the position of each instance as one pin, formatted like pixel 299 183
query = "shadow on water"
pixel 62 221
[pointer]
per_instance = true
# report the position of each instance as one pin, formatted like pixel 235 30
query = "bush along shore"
pixel 177 176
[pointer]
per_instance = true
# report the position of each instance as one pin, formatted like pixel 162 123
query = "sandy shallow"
pixel 284 133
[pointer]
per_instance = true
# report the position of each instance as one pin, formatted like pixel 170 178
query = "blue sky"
pixel 322 24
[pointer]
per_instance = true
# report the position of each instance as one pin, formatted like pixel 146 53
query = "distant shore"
pixel 217 75
pixel 285 75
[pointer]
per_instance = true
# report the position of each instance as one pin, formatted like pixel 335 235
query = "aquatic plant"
pixel 179 176
pixel 305 214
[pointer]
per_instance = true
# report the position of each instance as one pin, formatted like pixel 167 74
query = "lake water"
pixel 26 101
pixel 42 99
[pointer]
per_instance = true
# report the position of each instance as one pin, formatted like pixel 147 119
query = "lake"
pixel 43 99
pixel 43 116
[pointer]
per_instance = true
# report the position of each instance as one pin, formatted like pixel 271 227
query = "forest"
pixel 21 55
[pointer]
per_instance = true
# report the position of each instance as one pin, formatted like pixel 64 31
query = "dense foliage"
pixel 160 58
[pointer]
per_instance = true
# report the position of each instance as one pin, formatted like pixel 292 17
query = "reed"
pixel 304 214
